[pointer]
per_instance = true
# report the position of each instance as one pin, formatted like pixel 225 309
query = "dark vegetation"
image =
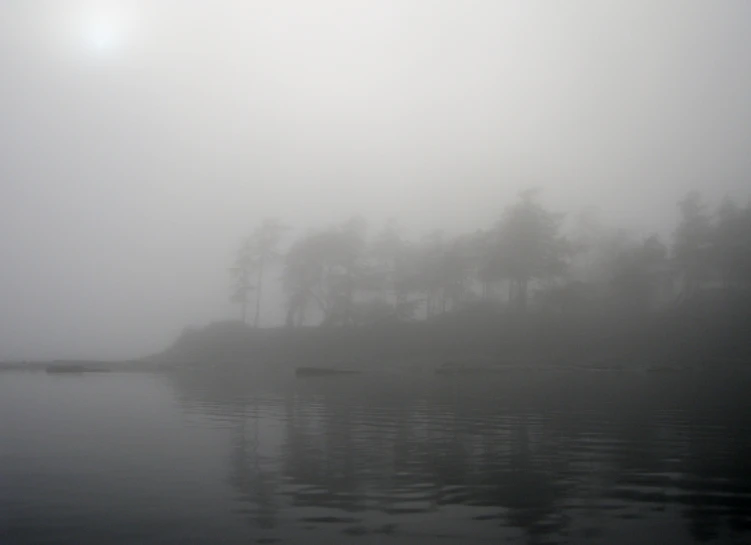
pixel 529 289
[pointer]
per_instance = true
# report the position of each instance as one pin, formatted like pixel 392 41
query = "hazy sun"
pixel 102 35
pixel 105 29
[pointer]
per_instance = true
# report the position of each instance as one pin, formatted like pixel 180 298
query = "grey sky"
pixel 141 139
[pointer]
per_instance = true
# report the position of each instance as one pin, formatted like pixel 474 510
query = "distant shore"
pixel 81 366
pixel 676 339
pixel 662 340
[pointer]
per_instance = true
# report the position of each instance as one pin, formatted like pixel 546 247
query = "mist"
pixel 143 140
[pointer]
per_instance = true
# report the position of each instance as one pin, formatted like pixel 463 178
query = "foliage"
pixel 732 245
pixel 529 245
pixel 640 274
pixel 693 237
pixel 339 276
pixel 325 268
pixel 263 245
pixel 240 272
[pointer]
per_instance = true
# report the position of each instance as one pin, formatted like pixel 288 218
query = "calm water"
pixel 528 457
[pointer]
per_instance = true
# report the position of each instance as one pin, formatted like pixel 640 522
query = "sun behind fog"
pixel 102 35
pixel 104 32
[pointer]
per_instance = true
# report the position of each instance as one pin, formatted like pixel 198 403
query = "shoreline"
pixel 413 366
pixel 81 366
pixel 671 340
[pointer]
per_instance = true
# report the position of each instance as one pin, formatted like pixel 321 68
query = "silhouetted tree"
pixel 241 272
pixel 455 269
pixel 348 278
pixel 263 244
pixel 388 252
pixel 732 245
pixel 402 270
pixel 326 268
pixel 345 268
pixel 431 253
pixel 594 244
pixel 529 245
pixel 485 260
pixel 303 273
pixel 692 244
pixel 640 274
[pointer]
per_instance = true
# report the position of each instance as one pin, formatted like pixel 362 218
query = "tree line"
pixel 345 275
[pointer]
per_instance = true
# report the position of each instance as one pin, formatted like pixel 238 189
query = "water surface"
pixel 524 457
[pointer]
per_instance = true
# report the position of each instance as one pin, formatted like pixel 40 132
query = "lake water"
pixel 524 457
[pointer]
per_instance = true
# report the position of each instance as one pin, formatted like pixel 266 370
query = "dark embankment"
pixel 696 334
pixel 77 367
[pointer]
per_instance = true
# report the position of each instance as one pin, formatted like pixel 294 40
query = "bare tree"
pixel 241 272
pixel 264 243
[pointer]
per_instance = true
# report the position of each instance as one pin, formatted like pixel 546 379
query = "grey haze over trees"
pixel 323 270
pixel 343 275
pixel 235 110
pixel 256 252
pixel 693 243
pixel 530 245
pixel 264 244
pixel 732 244
pixel 241 272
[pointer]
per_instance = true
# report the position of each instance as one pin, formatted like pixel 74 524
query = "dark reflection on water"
pixel 527 457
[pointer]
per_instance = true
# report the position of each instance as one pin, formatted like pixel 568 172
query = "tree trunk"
pixel 522 284
pixel 256 320
pixel 290 319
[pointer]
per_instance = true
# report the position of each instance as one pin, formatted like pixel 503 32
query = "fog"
pixel 142 140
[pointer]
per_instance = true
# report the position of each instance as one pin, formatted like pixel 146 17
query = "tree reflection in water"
pixel 256 485
pixel 549 455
